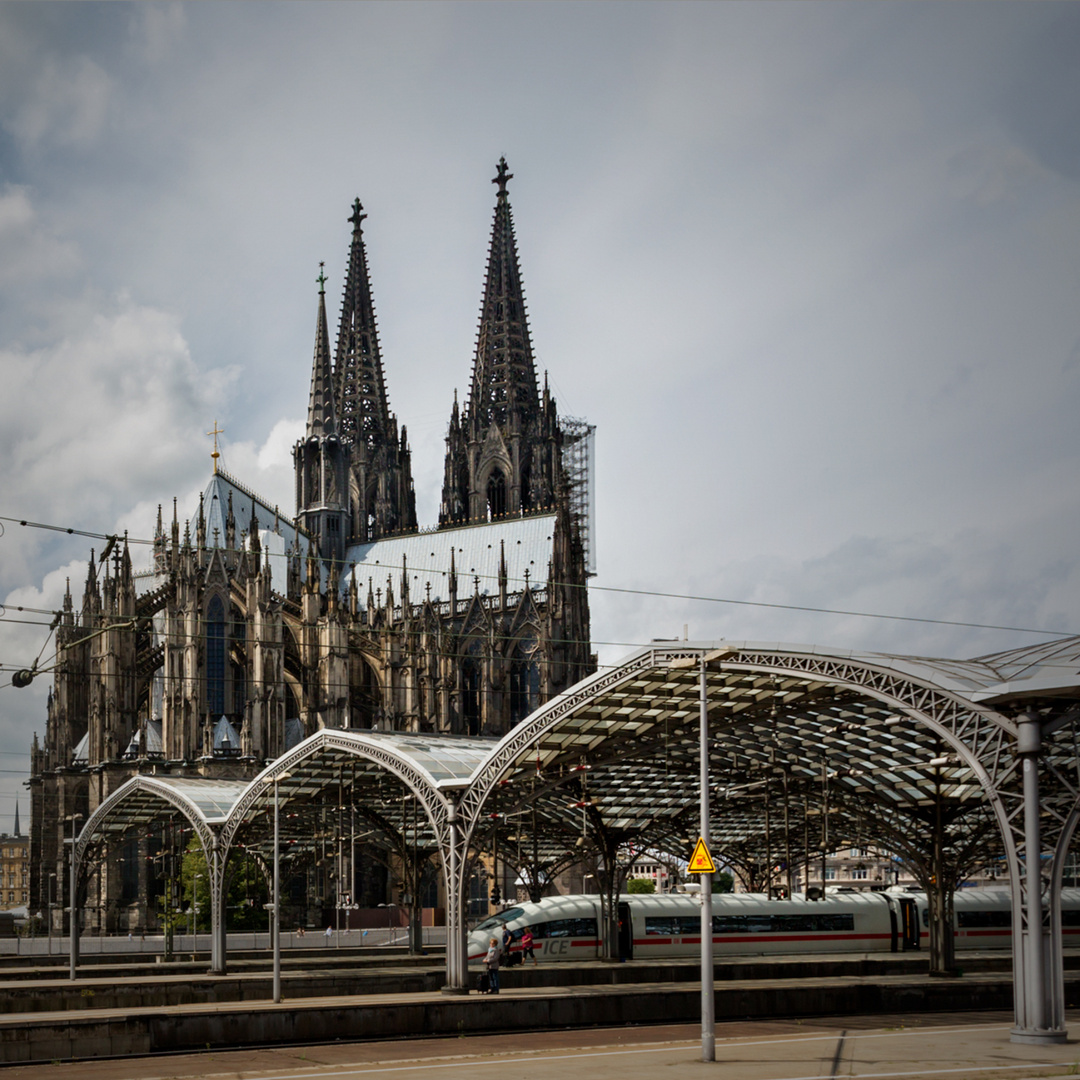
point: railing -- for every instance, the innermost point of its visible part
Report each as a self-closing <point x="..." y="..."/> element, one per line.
<point x="154" y="944"/>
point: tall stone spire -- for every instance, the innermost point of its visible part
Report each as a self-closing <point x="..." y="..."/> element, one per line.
<point x="358" y="370"/>
<point x="320" y="458"/>
<point x="321" y="418"/>
<point x="504" y="375"/>
<point x="381" y="497"/>
<point x="503" y="457"/>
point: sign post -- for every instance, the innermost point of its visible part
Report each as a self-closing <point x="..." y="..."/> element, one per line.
<point x="708" y="1015"/>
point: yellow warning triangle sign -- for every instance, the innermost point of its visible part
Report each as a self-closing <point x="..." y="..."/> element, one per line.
<point x="701" y="861"/>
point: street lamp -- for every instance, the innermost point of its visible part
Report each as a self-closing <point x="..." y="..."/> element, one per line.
<point x="391" y="930"/>
<point x="275" y="904"/>
<point x="73" y="925"/>
<point x="52" y="878"/>
<point x="195" y="913"/>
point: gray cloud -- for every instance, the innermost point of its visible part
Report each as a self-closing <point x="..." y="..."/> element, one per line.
<point x="810" y="268"/>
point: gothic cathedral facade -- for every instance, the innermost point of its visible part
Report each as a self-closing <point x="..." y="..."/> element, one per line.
<point x="252" y="630"/>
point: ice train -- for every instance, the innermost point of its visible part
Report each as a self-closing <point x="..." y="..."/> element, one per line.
<point x="750" y="924"/>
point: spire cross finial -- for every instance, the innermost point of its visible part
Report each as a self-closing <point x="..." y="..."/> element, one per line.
<point x="358" y="214"/>
<point x="504" y="176"/>
<point x="321" y="279"/>
<point x="216" y="432"/>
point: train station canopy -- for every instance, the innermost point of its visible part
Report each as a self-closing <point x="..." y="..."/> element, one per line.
<point x="794" y="730"/>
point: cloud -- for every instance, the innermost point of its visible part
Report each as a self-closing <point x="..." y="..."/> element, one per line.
<point x="65" y="102"/>
<point x="32" y="252"/>
<point x="90" y="423"/>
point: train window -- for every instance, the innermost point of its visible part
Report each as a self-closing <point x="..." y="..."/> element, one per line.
<point x="980" y="920"/>
<point x="672" y="925"/>
<point x="783" y="924"/>
<point x="1070" y="918"/>
<point x="666" y="926"/>
<point x="566" y="928"/>
<point x="503" y="917"/>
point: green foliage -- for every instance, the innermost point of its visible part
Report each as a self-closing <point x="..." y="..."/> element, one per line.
<point x="723" y="881"/>
<point x="640" y="885"/>
<point x="245" y="905"/>
<point x="248" y="893"/>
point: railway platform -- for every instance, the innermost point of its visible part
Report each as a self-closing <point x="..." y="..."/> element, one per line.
<point x="952" y="1046"/>
<point x="31" y="989"/>
<point x="93" y="1031"/>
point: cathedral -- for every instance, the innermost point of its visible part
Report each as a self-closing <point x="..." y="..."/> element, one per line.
<point x="253" y="629"/>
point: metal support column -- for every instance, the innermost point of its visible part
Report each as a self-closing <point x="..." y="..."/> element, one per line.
<point x="708" y="1016"/>
<point x="217" y="912"/>
<point x="457" y="958"/>
<point x="1034" y="994"/>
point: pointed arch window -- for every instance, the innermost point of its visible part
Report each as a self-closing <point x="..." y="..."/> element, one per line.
<point x="215" y="657"/>
<point x="470" y="693"/>
<point x="496" y="495"/>
<point x="524" y="680"/>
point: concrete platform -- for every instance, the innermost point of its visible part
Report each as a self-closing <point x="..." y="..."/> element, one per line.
<point x="952" y="1046"/>
<point x="96" y="1032"/>
<point x="134" y="988"/>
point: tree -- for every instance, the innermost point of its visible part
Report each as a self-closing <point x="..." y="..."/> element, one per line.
<point x="640" y="885"/>
<point x="723" y="881"/>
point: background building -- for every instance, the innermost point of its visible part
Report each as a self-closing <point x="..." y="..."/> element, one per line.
<point x="14" y="868"/>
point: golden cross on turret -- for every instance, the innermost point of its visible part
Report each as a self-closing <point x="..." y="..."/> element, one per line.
<point x="216" y="432"/>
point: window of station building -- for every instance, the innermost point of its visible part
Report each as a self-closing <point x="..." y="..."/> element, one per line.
<point x="859" y="874"/>
<point x="830" y="873"/>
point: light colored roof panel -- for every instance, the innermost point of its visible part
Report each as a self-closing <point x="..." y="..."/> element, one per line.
<point x="213" y="799"/>
<point x="528" y="543"/>
<point x="276" y="530"/>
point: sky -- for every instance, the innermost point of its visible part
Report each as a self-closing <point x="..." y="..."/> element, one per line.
<point x="811" y="269"/>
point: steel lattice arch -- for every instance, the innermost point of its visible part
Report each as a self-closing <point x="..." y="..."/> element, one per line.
<point x="949" y="764"/>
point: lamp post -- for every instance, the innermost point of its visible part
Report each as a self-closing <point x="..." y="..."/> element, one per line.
<point x="73" y="924"/>
<point x="195" y="914"/>
<point x="390" y="929"/>
<point x="52" y="878"/>
<point x="275" y="903"/>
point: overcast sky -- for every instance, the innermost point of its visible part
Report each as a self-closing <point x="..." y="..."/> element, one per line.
<point x="811" y="269"/>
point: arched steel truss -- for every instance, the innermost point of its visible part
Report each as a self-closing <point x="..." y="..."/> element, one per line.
<point x="811" y="703"/>
<point x="132" y="803"/>
<point x="626" y="703"/>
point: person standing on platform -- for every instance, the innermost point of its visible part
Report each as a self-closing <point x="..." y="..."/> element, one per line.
<point x="527" y="945"/>
<point x="491" y="962"/>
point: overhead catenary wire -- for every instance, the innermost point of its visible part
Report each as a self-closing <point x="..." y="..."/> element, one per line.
<point x="615" y="589"/>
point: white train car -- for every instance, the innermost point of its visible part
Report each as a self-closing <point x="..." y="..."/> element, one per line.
<point x="749" y="924"/>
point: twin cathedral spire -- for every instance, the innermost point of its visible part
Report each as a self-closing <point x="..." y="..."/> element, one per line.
<point x="353" y="467"/>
